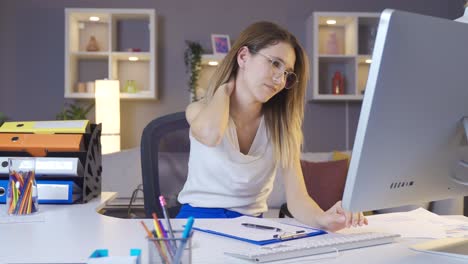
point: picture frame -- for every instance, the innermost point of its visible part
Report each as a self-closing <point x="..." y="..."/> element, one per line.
<point x="221" y="44"/>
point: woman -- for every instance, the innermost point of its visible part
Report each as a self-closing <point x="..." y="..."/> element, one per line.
<point x="247" y="127"/>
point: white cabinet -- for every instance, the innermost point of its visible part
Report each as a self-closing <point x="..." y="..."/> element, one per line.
<point x="126" y="51"/>
<point x="340" y="46"/>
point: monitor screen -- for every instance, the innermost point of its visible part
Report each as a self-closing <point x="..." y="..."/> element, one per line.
<point x="411" y="140"/>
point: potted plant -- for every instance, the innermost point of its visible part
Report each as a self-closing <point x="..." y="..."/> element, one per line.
<point x="192" y="59"/>
<point x="74" y="111"/>
<point x="3" y="118"/>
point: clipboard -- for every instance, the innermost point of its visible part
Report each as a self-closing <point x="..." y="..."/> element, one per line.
<point x="38" y="145"/>
<point x="47" y="127"/>
<point x="233" y="228"/>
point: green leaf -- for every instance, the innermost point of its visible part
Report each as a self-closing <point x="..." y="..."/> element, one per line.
<point x="74" y="112"/>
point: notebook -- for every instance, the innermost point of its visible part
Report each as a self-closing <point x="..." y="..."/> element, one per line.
<point x="255" y="230"/>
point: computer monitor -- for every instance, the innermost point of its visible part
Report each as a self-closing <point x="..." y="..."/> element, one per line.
<point x="411" y="140"/>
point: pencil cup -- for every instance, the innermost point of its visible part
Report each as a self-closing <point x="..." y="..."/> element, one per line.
<point x="22" y="188"/>
<point x="165" y="250"/>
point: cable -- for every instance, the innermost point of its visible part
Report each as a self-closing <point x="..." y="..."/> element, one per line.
<point x="133" y="198"/>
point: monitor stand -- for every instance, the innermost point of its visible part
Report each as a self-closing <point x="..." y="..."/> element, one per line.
<point x="460" y="172"/>
<point x="452" y="247"/>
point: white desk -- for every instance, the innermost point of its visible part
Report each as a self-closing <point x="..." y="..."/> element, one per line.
<point x="70" y="233"/>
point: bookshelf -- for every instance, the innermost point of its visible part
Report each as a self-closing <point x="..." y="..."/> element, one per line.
<point x="340" y="42"/>
<point x="126" y="41"/>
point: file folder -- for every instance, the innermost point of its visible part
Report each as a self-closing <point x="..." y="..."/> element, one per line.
<point x="52" y="166"/>
<point x="39" y="145"/>
<point x="46" y="127"/>
<point x="58" y="192"/>
<point x="3" y="190"/>
<point x="49" y="192"/>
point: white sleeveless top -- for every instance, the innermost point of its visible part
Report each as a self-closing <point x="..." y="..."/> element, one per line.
<point x="223" y="177"/>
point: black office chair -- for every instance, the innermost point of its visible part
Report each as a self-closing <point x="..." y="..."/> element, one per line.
<point x="165" y="148"/>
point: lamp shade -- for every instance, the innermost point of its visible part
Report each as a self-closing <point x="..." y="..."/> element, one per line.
<point x="107" y="94"/>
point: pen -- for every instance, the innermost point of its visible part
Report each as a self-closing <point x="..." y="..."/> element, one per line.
<point x="150" y="235"/>
<point x="167" y="240"/>
<point x="261" y="226"/>
<point x="185" y="235"/>
<point x="290" y="236"/>
<point x="160" y="235"/>
<point x="168" y="221"/>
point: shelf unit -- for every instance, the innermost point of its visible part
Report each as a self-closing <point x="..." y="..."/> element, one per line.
<point x="209" y="63"/>
<point x="340" y="42"/>
<point x="127" y="50"/>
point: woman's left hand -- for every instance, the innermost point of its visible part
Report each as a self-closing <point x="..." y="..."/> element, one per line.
<point x="337" y="218"/>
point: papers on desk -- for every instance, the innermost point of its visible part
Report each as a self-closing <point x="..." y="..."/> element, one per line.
<point x="233" y="228"/>
<point x="418" y="223"/>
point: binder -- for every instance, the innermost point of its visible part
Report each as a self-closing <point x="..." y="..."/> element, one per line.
<point x="57" y="192"/>
<point x="3" y="190"/>
<point x="49" y="192"/>
<point x="47" y="127"/>
<point x="39" y="145"/>
<point x="53" y="166"/>
<point x="89" y="154"/>
<point x="234" y="228"/>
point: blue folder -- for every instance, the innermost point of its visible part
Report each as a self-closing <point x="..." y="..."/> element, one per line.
<point x="3" y="190"/>
<point x="56" y="192"/>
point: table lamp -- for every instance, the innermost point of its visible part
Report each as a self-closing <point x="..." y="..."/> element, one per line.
<point x="107" y="94"/>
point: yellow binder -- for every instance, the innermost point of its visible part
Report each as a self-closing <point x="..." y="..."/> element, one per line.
<point x="46" y="127"/>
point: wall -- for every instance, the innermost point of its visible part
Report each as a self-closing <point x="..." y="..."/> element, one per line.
<point x="32" y="55"/>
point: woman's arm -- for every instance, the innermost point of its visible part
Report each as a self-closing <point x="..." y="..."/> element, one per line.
<point x="208" y="121"/>
<point x="307" y="211"/>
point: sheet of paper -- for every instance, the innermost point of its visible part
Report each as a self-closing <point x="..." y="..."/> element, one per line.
<point x="418" y="223"/>
<point x="234" y="227"/>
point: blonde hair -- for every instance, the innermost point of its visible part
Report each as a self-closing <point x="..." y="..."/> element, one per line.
<point x="284" y="112"/>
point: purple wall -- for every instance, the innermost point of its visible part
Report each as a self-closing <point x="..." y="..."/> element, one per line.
<point x="32" y="54"/>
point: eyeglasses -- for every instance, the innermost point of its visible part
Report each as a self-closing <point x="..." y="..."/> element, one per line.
<point x="279" y="69"/>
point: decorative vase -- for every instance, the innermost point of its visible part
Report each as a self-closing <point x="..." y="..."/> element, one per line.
<point x="130" y="86"/>
<point x="90" y="87"/>
<point x="81" y="87"/>
<point x="92" y="44"/>
<point x="338" y="83"/>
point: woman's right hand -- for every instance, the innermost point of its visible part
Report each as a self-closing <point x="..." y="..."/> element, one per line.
<point x="337" y="218"/>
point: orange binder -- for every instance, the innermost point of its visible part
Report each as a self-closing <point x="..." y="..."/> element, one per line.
<point x="38" y="145"/>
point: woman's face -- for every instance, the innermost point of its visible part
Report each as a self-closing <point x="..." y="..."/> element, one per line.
<point x="264" y="74"/>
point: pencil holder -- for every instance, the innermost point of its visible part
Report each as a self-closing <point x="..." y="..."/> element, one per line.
<point x="22" y="188"/>
<point x="166" y="250"/>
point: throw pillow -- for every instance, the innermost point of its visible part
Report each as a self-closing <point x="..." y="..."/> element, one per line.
<point x="325" y="181"/>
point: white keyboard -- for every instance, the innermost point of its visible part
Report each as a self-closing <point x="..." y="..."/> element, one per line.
<point x="312" y="246"/>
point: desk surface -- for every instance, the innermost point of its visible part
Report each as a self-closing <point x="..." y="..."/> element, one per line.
<point x="70" y="233"/>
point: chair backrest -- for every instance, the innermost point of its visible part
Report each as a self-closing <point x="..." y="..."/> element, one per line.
<point x="165" y="147"/>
